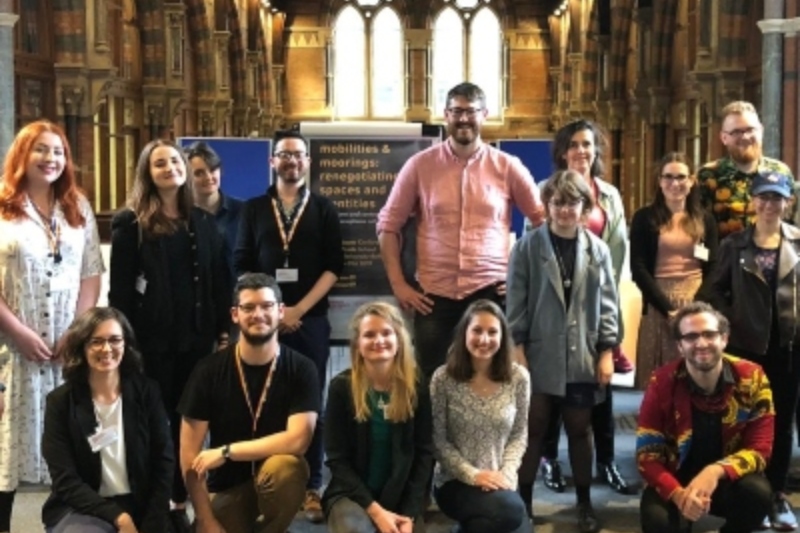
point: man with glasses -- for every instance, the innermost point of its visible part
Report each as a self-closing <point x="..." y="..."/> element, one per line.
<point x="462" y="192"/>
<point x="725" y="183"/>
<point x="705" y="432"/>
<point x="258" y="402"/>
<point x="294" y="234"/>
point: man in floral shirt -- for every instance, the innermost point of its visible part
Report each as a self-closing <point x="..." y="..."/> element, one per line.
<point x="725" y="183"/>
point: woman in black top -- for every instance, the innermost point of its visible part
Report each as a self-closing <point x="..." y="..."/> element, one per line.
<point x="168" y="276"/>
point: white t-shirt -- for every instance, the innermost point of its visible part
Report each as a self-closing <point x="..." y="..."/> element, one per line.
<point x="114" y="472"/>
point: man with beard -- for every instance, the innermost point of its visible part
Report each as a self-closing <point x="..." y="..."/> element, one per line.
<point x="293" y="234"/>
<point x="258" y="401"/>
<point x="705" y="432"/>
<point x="725" y="183"/>
<point x="462" y="192"/>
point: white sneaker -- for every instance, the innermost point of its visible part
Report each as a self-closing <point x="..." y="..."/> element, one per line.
<point x="783" y="518"/>
<point x="765" y="524"/>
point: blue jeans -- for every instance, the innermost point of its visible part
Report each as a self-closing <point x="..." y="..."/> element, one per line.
<point x="81" y="523"/>
<point x="477" y="511"/>
<point x="312" y="339"/>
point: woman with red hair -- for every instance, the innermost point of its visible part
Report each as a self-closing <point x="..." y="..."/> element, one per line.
<point x="50" y="268"/>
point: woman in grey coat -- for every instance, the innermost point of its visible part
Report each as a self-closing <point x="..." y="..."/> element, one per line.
<point x="563" y="312"/>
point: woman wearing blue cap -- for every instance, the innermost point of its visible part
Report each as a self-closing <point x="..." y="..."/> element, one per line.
<point x="755" y="285"/>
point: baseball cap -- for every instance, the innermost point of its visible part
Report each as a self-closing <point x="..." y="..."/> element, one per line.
<point x="771" y="182"/>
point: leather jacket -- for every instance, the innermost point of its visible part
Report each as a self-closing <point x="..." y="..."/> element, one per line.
<point x="738" y="289"/>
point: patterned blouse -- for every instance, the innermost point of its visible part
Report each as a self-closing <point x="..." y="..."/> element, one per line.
<point x="473" y="433"/>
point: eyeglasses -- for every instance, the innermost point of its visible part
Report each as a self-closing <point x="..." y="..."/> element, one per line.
<point x="288" y="156"/>
<point x="249" y="309"/>
<point x="677" y="178"/>
<point x="469" y="112"/>
<point x="738" y="133"/>
<point x="98" y="343"/>
<point x="770" y="198"/>
<point x="708" y="335"/>
<point x="569" y="204"/>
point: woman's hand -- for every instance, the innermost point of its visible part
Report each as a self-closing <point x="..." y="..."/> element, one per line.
<point x="491" y="480"/>
<point x="31" y="345"/>
<point x="605" y="368"/>
<point x="208" y="460"/>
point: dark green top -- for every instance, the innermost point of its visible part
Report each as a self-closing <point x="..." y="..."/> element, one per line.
<point x="380" y="434"/>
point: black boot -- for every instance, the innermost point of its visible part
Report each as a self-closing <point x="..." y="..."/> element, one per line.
<point x="611" y="476"/>
<point x="553" y="477"/>
<point x="587" y="520"/>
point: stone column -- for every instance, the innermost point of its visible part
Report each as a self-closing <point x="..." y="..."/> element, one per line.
<point x="7" y="111"/>
<point x="772" y="75"/>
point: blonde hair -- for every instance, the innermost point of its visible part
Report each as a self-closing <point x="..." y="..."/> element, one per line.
<point x="739" y="107"/>
<point x="403" y="398"/>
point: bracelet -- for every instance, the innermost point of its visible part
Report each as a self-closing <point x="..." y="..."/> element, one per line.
<point x="2" y="388"/>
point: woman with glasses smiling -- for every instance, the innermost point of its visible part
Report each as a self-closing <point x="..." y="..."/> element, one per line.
<point x="106" y="436"/>
<point x="563" y="312"/>
<point x="755" y="285"/>
<point x="673" y="248"/>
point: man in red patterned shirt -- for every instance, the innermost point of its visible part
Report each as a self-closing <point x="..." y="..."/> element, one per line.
<point x="705" y="432"/>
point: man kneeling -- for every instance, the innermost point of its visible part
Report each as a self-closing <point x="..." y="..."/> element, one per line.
<point x="259" y="401"/>
<point x="705" y="432"/>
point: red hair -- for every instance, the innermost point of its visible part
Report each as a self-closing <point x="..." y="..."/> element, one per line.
<point x="14" y="181"/>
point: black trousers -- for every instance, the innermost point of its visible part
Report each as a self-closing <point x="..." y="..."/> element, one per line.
<point x="742" y="503"/>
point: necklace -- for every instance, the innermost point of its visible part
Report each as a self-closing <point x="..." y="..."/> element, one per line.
<point x="566" y="276"/>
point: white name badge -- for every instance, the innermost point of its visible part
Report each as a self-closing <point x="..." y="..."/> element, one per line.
<point x="103" y="438"/>
<point x="700" y="252"/>
<point x="141" y="284"/>
<point x="287" y="275"/>
<point x="60" y="283"/>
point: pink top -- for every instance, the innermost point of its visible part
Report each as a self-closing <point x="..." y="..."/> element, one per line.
<point x="675" y="257"/>
<point x="596" y="222"/>
<point x="464" y="215"/>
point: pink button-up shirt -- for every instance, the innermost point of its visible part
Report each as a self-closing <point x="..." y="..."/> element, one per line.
<point x="464" y="215"/>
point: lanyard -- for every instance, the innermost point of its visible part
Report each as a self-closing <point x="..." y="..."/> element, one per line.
<point x="53" y="232"/>
<point x="286" y="236"/>
<point x="255" y="414"/>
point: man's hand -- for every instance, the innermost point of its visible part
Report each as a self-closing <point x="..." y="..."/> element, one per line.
<point x="605" y="368"/>
<point x="491" y="480"/>
<point x="291" y="319"/>
<point x="209" y="525"/>
<point x="2" y="403"/>
<point x="208" y="460"/>
<point x="519" y="355"/>
<point x="408" y="298"/>
<point x="702" y="487"/>
<point x="500" y="289"/>
<point x="124" y="524"/>
<point x="388" y="522"/>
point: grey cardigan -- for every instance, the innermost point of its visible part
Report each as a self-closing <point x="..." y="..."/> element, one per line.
<point x="561" y="345"/>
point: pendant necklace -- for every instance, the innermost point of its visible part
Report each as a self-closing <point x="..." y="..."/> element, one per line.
<point x="566" y="279"/>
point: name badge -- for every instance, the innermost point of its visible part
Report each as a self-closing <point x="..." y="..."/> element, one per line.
<point x="287" y="275"/>
<point x="60" y="283"/>
<point x="103" y="438"/>
<point x="700" y="252"/>
<point x="141" y="284"/>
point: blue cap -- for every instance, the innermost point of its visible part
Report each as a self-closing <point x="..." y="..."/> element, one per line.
<point x="776" y="182"/>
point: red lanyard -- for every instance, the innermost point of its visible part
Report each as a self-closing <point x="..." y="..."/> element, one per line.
<point x="255" y="414"/>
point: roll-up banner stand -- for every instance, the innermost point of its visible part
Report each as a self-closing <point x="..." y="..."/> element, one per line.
<point x="355" y="165"/>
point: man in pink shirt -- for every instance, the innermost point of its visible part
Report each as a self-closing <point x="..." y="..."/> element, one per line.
<point x="461" y="192"/>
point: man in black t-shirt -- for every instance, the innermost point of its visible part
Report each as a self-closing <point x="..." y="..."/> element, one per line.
<point x="259" y="402"/>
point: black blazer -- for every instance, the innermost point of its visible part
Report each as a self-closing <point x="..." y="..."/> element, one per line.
<point x="75" y="469"/>
<point x="644" y="249"/>
<point x="151" y="314"/>
<point x="347" y="449"/>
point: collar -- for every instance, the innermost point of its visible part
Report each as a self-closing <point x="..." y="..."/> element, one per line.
<point x="727" y="163"/>
<point x="477" y="155"/>
<point x="272" y="191"/>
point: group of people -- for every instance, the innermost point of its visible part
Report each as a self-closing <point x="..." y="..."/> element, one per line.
<point x="177" y="393"/>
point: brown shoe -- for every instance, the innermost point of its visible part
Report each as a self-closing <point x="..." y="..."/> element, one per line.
<point x="312" y="507"/>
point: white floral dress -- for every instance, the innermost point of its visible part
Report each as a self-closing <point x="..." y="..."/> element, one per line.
<point x="43" y="294"/>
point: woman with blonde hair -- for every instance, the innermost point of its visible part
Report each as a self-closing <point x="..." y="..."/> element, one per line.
<point x="50" y="268"/>
<point x="380" y="455"/>
<point x="480" y="431"/>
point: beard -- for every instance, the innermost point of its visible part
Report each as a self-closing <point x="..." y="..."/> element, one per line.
<point x="464" y="134"/>
<point x="258" y="339"/>
<point x="745" y="154"/>
<point x="705" y="366"/>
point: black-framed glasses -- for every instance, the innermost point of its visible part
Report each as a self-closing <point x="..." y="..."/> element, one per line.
<point x="708" y="335"/>
<point x="738" y="133"/>
<point x="676" y="178"/>
<point x="469" y="112"/>
<point x="98" y="343"/>
<point x="249" y="309"/>
<point x="285" y="155"/>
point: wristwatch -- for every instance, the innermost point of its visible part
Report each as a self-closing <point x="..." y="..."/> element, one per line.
<point x="2" y="388"/>
<point x="226" y="452"/>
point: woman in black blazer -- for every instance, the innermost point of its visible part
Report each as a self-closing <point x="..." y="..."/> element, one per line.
<point x="168" y="276"/>
<point x="381" y="452"/>
<point x="106" y="437"/>
<point x="673" y="249"/>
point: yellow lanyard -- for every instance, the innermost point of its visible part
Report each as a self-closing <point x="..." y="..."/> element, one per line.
<point x="255" y="414"/>
<point x="286" y="236"/>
